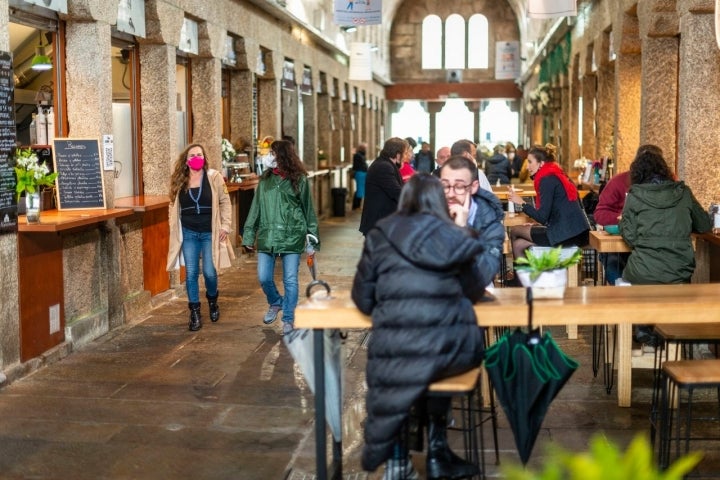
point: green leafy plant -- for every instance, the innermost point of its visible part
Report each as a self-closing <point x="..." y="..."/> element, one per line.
<point x="546" y="261"/>
<point x="30" y="173"/>
<point x="605" y="461"/>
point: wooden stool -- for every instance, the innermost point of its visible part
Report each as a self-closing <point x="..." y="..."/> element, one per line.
<point x="676" y="341"/>
<point x="687" y="375"/>
<point x="473" y="416"/>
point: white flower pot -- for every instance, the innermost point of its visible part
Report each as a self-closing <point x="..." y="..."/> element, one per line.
<point x="549" y="284"/>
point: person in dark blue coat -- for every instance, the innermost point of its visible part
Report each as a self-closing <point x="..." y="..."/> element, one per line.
<point x="562" y="220"/>
<point x="418" y="278"/>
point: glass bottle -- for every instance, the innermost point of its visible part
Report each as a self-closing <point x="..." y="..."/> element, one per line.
<point x="33" y="131"/>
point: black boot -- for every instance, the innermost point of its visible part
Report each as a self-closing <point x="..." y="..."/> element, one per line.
<point x="214" y="309"/>
<point x="356" y="202"/>
<point x="195" y="320"/>
<point x="441" y="461"/>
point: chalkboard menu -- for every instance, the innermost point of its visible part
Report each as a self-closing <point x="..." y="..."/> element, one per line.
<point x="8" y="206"/>
<point x="80" y="173"/>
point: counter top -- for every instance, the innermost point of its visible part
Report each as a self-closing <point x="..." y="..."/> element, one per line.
<point x="143" y="203"/>
<point x="62" y="220"/>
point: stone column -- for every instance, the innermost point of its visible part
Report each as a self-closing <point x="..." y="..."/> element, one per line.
<point x="589" y="90"/>
<point x="628" y="111"/>
<point x="698" y="105"/>
<point x="325" y="133"/>
<point x="159" y="120"/>
<point x="206" y="92"/>
<point x="241" y="109"/>
<point x="476" y="108"/>
<point x="433" y="108"/>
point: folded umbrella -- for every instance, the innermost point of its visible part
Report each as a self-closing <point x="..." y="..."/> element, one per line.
<point x="527" y="371"/>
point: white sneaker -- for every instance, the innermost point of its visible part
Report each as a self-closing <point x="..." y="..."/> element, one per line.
<point x="400" y="470"/>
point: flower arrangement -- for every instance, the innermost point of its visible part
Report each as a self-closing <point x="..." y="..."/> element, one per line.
<point x="228" y="151"/>
<point x="31" y="174"/>
<point x="580" y="164"/>
<point x="539" y="100"/>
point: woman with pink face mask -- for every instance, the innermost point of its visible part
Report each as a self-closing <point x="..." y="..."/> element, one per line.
<point x="200" y="217"/>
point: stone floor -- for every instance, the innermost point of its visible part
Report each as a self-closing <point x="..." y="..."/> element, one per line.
<point x="155" y="401"/>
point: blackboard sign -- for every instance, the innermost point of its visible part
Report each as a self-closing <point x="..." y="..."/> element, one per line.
<point x="80" y="173"/>
<point x="8" y="207"/>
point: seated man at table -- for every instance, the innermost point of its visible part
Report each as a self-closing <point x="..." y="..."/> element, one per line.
<point x="484" y="213"/>
<point x="468" y="149"/>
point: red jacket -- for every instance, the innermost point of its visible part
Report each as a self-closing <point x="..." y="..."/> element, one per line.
<point x="612" y="200"/>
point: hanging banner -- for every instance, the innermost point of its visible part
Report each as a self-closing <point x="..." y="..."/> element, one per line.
<point x="358" y="12"/>
<point x="57" y="5"/>
<point x="360" y="61"/>
<point x="131" y="17"/>
<point x="552" y="8"/>
<point x="507" y="60"/>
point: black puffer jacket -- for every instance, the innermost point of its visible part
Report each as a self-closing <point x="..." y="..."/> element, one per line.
<point x="418" y="279"/>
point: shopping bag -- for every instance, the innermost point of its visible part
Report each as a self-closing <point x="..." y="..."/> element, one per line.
<point x="300" y="343"/>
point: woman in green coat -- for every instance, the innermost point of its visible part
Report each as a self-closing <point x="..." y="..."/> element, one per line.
<point x="280" y="217"/>
<point x="658" y="218"/>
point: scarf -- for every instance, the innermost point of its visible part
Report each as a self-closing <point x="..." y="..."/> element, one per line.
<point x="277" y="171"/>
<point x="549" y="169"/>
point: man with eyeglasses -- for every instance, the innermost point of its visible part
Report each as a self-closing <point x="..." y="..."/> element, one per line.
<point x="484" y="213"/>
<point x="468" y="149"/>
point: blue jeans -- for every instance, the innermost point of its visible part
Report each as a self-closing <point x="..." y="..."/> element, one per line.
<point x="194" y="246"/>
<point x="266" y="274"/>
<point x="614" y="264"/>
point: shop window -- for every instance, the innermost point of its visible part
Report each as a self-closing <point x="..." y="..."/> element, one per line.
<point x="125" y="139"/>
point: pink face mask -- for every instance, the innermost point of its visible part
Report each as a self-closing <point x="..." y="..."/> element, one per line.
<point x="195" y="163"/>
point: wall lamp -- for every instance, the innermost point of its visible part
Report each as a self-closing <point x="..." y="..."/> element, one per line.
<point x="41" y="61"/>
<point x="348" y="28"/>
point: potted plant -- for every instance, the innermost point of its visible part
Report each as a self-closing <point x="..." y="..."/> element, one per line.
<point x="545" y="269"/>
<point x="31" y="177"/>
<point x="603" y="461"/>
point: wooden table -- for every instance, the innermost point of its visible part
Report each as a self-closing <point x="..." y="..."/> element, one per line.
<point x="515" y="219"/>
<point x="502" y="192"/>
<point x="687" y="303"/>
<point x="603" y="242"/>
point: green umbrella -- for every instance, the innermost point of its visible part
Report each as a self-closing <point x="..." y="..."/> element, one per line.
<point x="527" y="370"/>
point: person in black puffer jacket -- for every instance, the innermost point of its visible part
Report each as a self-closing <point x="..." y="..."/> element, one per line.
<point x="418" y="278"/>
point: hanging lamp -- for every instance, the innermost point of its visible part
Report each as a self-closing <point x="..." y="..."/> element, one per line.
<point x="41" y="61"/>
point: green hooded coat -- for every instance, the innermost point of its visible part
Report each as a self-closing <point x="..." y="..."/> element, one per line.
<point x="279" y="216"/>
<point x="656" y="223"/>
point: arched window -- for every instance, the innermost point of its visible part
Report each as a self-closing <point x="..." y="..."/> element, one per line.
<point x="478" y="41"/>
<point x="432" y="42"/>
<point x="451" y="40"/>
<point x="455" y="41"/>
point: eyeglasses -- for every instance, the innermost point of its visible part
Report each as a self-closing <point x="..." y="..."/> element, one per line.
<point x="458" y="188"/>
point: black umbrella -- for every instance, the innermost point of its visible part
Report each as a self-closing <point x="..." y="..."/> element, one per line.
<point x="527" y="371"/>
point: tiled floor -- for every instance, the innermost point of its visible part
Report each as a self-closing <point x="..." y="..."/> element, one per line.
<point x="155" y="401"/>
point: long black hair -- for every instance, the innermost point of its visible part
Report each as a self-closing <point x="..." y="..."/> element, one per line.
<point x="423" y="193"/>
<point x="649" y="166"/>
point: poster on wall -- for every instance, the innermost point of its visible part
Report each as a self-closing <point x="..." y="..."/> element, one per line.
<point x="358" y="12"/>
<point x="189" y="36"/>
<point x="8" y="206"/>
<point x="57" y="5"/>
<point x="507" y="60"/>
<point x="131" y="17"/>
<point x="360" y="61"/>
<point x="288" y="77"/>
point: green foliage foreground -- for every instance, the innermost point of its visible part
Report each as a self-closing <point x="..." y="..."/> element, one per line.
<point x="605" y="461"/>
